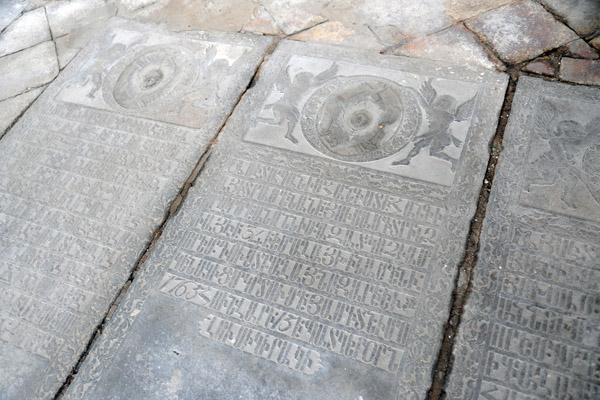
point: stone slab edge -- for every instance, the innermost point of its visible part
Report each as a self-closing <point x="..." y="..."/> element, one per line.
<point x="61" y="367"/>
<point x="462" y="381"/>
<point x="465" y="192"/>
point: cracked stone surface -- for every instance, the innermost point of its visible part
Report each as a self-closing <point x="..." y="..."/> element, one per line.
<point x="583" y="16"/>
<point x="531" y="326"/>
<point x="455" y="45"/>
<point x="42" y="67"/>
<point x="293" y="15"/>
<point x="580" y="71"/>
<point x="26" y="31"/>
<point x="521" y="31"/>
<point x="11" y="109"/>
<point x="464" y="9"/>
<point x="64" y="51"/>
<point x="334" y="32"/>
<point x="596" y="43"/>
<point x="64" y="16"/>
<point x="87" y="176"/>
<point x="306" y="264"/>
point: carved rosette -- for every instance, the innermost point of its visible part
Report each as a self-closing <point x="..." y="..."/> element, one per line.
<point x="360" y="118"/>
<point x="150" y="79"/>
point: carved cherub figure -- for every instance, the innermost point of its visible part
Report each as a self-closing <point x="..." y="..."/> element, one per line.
<point x="441" y="111"/>
<point x="285" y="110"/>
<point x="561" y="162"/>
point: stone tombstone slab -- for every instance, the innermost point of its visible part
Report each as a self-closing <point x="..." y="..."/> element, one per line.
<point x="87" y="175"/>
<point x="531" y="326"/>
<point x="316" y="257"/>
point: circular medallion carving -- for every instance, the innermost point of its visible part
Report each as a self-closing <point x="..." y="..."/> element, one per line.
<point x="150" y="78"/>
<point x="360" y="118"/>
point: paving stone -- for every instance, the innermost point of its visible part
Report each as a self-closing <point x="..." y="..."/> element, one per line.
<point x="27" y="31"/>
<point x="64" y="16"/>
<point x="41" y="64"/>
<point x="580" y="71"/>
<point x="464" y="9"/>
<point x="293" y="15"/>
<point x="596" y="43"/>
<point x="581" y="15"/>
<point x="403" y="21"/>
<point x="530" y="329"/>
<point x="64" y="52"/>
<point x="454" y="45"/>
<point x="334" y="32"/>
<point x="9" y="11"/>
<point x="261" y="22"/>
<point x="315" y="256"/>
<point x="10" y="109"/>
<point x="87" y="175"/>
<point x="521" y="31"/>
<point x="542" y="66"/>
<point x="581" y="49"/>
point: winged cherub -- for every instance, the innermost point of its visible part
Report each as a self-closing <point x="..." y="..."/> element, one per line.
<point x="560" y="163"/>
<point x="441" y="111"/>
<point x="286" y="109"/>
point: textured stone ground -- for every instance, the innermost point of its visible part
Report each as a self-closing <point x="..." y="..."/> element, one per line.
<point x="528" y="332"/>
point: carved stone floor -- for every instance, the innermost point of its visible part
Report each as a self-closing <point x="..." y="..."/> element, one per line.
<point x="299" y="199"/>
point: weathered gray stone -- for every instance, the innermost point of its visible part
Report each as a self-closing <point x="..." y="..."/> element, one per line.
<point x="455" y="45"/>
<point x="334" y="32"/>
<point x="581" y="49"/>
<point x="30" y="29"/>
<point x="531" y="326"/>
<point x="541" y="66"/>
<point x="521" y="31"/>
<point x="464" y="9"/>
<point x="586" y="72"/>
<point x="87" y="175"/>
<point x="293" y="15"/>
<point x="9" y="11"/>
<point x="10" y="109"/>
<point x="64" y="51"/>
<point x="581" y="15"/>
<point x="316" y="254"/>
<point x="66" y="15"/>
<point x="41" y="68"/>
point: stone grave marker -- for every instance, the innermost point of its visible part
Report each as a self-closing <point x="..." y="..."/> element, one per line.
<point x="315" y="257"/>
<point x="531" y="327"/>
<point x="87" y="175"/>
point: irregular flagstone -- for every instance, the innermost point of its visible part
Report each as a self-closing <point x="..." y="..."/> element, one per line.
<point x="10" y="109"/>
<point x="455" y="45"/>
<point x="9" y="11"/>
<point x="576" y="70"/>
<point x="41" y="68"/>
<point x="581" y="15"/>
<point x="27" y="31"/>
<point x="261" y="22"/>
<point x="464" y="9"/>
<point x="542" y="66"/>
<point x="315" y="257"/>
<point x="581" y="49"/>
<point x="65" y="15"/>
<point x="521" y="31"/>
<point x="531" y="325"/>
<point x="87" y="175"/>
<point x="64" y="51"/>
<point x="596" y="43"/>
<point x="293" y="15"/>
<point x="334" y="32"/>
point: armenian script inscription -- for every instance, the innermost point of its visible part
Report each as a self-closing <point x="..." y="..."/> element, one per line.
<point x="87" y="175"/>
<point x="531" y="326"/>
<point x="304" y="265"/>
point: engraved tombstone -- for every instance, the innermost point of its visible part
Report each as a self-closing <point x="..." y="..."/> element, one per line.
<point x="316" y="256"/>
<point x="531" y="326"/>
<point x="87" y="175"/>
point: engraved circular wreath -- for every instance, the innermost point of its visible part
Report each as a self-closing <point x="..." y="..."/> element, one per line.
<point x="360" y="118"/>
<point x="150" y="78"/>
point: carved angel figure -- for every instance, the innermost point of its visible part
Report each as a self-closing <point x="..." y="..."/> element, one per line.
<point x="285" y="110"/>
<point x="441" y="111"/>
<point x="561" y="164"/>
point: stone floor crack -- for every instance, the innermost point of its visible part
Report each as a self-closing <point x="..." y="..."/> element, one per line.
<point x="169" y="214"/>
<point x="462" y="283"/>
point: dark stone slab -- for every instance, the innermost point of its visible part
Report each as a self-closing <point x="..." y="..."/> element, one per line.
<point x="531" y="327"/>
<point x="316" y="256"/>
<point x="87" y="175"/>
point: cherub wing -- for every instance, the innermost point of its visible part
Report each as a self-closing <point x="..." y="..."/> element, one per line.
<point x="465" y="110"/>
<point x="328" y="74"/>
<point x="284" y="81"/>
<point x="546" y="119"/>
<point x="428" y="92"/>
